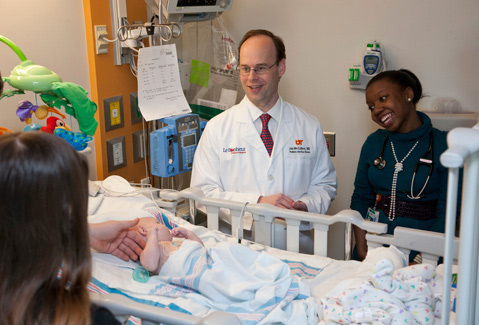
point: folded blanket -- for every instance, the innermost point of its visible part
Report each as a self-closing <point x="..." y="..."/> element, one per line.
<point x="410" y="295"/>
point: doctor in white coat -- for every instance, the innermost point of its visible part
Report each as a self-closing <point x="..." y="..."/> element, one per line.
<point x="232" y="162"/>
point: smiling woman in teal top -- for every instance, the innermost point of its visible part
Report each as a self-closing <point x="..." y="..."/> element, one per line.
<point x="399" y="179"/>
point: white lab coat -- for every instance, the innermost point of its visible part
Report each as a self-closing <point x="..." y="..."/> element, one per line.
<point x="231" y="161"/>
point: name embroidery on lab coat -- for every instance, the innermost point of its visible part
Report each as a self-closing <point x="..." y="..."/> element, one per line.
<point x="234" y="150"/>
<point x="299" y="149"/>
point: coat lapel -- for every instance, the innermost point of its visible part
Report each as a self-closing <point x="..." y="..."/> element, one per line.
<point x="285" y="130"/>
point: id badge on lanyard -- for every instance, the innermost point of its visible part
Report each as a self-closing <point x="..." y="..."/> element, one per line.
<point x="373" y="215"/>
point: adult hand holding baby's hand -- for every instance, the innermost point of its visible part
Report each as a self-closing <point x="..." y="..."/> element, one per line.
<point x="116" y="238"/>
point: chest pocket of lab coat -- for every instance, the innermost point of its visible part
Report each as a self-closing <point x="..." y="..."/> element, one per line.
<point x="298" y="174"/>
<point x="299" y="164"/>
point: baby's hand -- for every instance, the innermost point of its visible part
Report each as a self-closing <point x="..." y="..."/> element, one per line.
<point x="179" y="232"/>
<point x="185" y="233"/>
<point x="152" y="235"/>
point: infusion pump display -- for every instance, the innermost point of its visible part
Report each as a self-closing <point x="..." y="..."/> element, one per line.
<point x="194" y="10"/>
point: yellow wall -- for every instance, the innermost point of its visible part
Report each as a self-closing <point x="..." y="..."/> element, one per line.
<point x="109" y="80"/>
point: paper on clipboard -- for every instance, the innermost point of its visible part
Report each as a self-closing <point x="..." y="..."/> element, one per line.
<point x="159" y="87"/>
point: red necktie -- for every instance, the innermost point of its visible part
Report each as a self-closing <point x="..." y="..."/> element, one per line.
<point x="265" y="135"/>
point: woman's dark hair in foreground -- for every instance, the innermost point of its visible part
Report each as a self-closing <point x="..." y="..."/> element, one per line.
<point x="44" y="243"/>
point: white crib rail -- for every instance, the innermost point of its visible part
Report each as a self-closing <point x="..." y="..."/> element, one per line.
<point x="121" y="307"/>
<point x="264" y="215"/>
<point x="430" y="244"/>
<point x="463" y="150"/>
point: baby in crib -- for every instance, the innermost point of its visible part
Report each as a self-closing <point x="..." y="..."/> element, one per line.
<point x="160" y="243"/>
<point x="225" y="274"/>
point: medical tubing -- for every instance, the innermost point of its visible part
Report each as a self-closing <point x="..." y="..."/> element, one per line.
<point x="14" y="48"/>
<point x="134" y="192"/>
<point x="452" y="188"/>
<point x="123" y="33"/>
<point x="240" y="226"/>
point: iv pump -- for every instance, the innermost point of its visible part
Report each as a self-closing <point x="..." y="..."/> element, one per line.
<point x="174" y="145"/>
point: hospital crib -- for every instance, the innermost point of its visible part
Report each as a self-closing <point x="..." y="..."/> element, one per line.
<point x="431" y="244"/>
<point x="463" y="151"/>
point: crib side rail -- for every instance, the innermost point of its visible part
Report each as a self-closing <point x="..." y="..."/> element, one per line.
<point x="121" y="306"/>
<point x="265" y="214"/>
<point x="429" y="243"/>
<point x="463" y="151"/>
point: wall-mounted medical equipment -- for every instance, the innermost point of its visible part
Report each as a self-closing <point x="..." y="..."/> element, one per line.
<point x="129" y="36"/>
<point x="173" y="146"/>
<point x="373" y="63"/>
<point x="194" y="10"/>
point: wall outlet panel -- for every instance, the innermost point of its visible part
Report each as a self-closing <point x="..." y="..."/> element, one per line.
<point x="135" y="112"/>
<point x="331" y="142"/>
<point x="116" y="153"/>
<point x="113" y="113"/>
<point x="139" y="145"/>
<point x="101" y="44"/>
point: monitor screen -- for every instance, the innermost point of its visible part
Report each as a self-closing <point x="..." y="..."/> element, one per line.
<point x="191" y="3"/>
<point x="189" y="140"/>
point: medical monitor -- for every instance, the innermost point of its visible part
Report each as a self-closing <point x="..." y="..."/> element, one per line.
<point x="194" y="10"/>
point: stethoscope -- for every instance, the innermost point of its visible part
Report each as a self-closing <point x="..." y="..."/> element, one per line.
<point x="380" y="163"/>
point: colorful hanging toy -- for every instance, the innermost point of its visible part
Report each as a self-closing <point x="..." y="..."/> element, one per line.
<point x="54" y="93"/>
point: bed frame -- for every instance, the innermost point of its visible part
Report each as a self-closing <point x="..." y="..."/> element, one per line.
<point x="123" y="308"/>
<point x="463" y="151"/>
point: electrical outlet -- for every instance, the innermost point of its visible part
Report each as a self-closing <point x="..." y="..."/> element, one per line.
<point x="113" y="112"/>
<point x="331" y="142"/>
<point x="101" y="44"/>
<point x="116" y="153"/>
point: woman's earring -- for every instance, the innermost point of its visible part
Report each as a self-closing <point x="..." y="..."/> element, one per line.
<point x="409" y="99"/>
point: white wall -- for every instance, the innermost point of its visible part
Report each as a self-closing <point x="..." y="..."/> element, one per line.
<point x="436" y="39"/>
<point x="49" y="33"/>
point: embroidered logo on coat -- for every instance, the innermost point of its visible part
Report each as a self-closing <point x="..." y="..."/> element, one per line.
<point x="298" y="148"/>
<point x="234" y="150"/>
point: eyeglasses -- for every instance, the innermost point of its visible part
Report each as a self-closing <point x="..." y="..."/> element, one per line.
<point x="260" y="69"/>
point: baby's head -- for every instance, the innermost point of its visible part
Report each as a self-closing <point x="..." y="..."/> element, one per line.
<point x="148" y="223"/>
